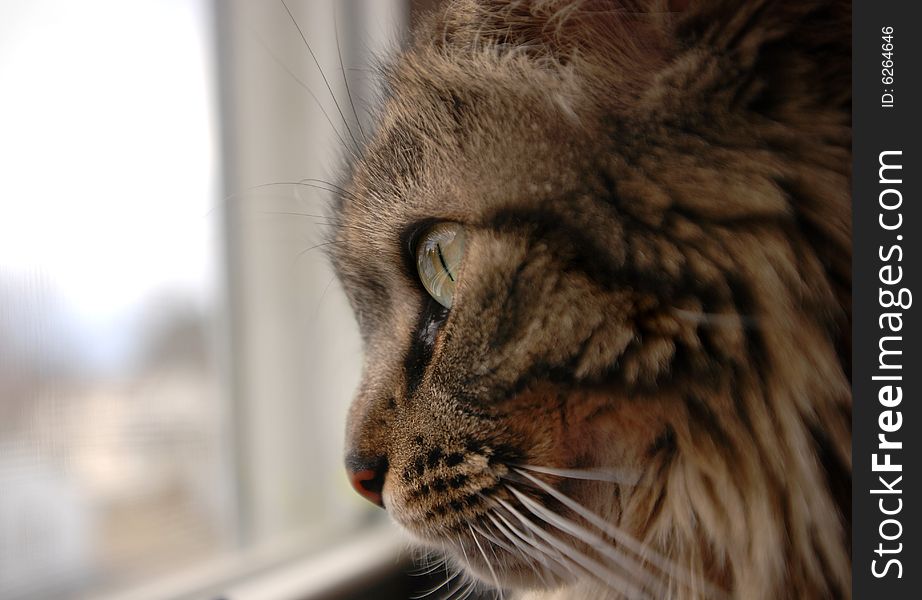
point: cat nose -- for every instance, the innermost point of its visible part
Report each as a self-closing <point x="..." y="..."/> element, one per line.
<point x="367" y="478"/>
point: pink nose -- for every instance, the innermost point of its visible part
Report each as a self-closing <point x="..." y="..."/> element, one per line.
<point x="368" y="483"/>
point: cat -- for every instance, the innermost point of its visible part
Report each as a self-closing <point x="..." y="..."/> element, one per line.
<point x="600" y="255"/>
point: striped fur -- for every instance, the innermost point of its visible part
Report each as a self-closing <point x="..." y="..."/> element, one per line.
<point x="657" y="281"/>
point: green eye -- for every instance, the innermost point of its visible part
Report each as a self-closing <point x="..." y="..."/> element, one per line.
<point x="438" y="260"/>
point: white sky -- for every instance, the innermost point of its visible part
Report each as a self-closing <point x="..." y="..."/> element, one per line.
<point x="108" y="157"/>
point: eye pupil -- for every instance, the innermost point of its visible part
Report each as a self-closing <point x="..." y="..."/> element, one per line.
<point x="442" y="260"/>
<point x="439" y="253"/>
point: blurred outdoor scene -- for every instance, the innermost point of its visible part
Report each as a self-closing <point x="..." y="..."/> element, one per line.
<point x="176" y="357"/>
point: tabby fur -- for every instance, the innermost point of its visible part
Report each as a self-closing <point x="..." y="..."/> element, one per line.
<point x="657" y="280"/>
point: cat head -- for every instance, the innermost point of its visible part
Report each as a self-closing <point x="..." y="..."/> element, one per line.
<point x="599" y="255"/>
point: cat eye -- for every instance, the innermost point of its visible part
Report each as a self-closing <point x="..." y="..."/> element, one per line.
<point x="439" y="252"/>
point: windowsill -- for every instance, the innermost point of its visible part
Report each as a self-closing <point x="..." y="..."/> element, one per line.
<point x="292" y="570"/>
<point x="349" y="565"/>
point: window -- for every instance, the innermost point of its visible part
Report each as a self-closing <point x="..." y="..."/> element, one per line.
<point x="175" y="356"/>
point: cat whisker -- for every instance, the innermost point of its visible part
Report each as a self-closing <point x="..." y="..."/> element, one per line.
<point x="643" y="551"/>
<point x="433" y="590"/>
<point x="323" y="222"/>
<point x="534" y="562"/>
<point x="486" y="560"/>
<point x="427" y="570"/>
<point x="466" y="591"/>
<point x="538" y="564"/>
<point x="573" y="529"/>
<point x="342" y="68"/>
<point x="293" y="213"/>
<point x="322" y="74"/>
<point x="588" y="564"/>
<point x="623" y="477"/>
<point x="314" y="247"/>
<point x="301" y="183"/>
<point x="338" y="190"/>
<point x="430" y="566"/>
<point x="493" y="539"/>
<point x="278" y="61"/>
<point x="526" y="544"/>
<point x="313" y="180"/>
<point x="473" y="582"/>
<point x="499" y="593"/>
<point x="319" y="219"/>
<point x="511" y="550"/>
<point x="309" y="182"/>
<point x="548" y="556"/>
<point x="463" y="551"/>
<point x="550" y="560"/>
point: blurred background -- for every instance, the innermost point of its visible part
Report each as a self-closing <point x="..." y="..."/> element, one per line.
<point x="176" y="357"/>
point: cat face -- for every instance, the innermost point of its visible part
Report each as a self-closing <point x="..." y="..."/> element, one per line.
<point x="638" y="345"/>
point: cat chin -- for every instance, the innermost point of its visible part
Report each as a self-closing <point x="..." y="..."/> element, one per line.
<point x="504" y="574"/>
<point x="510" y="573"/>
<point x="518" y="576"/>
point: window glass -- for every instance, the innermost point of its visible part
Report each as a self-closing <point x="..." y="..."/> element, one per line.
<point x="176" y="357"/>
<point x="113" y="462"/>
